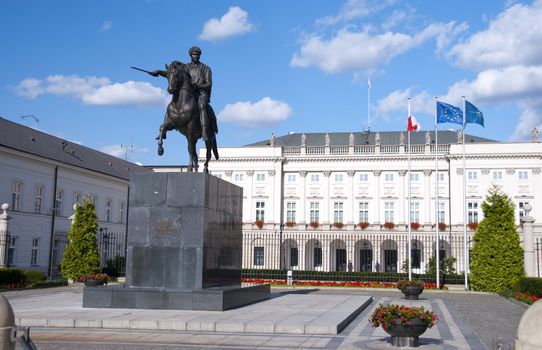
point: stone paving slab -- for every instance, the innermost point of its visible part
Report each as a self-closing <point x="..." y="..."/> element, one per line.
<point x="283" y="314"/>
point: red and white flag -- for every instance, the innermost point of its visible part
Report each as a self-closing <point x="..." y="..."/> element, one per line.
<point x="413" y="124"/>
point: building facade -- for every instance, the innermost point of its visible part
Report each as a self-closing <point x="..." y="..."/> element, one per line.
<point x="42" y="178"/>
<point x="340" y="201"/>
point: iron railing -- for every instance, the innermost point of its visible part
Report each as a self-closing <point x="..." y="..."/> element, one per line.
<point x="332" y="255"/>
<point x="112" y="249"/>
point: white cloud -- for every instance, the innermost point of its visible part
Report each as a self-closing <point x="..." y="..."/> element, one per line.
<point x="262" y="113"/>
<point x="353" y="9"/>
<point x="511" y="39"/>
<point x="106" y="25"/>
<point x="94" y="90"/>
<point x="360" y="50"/>
<point x="397" y="103"/>
<point x="125" y="94"/>
<point x="234" y="22"/>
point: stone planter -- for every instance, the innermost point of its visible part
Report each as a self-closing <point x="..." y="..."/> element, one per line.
<point x="94" y="283"/>
<point x="412" y="292"/>
<point x="406" y="335"/>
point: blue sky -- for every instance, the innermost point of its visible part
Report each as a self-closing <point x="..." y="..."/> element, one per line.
<point x="278" y="66"/>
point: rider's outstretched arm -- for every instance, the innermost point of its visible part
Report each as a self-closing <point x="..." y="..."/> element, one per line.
<point x="156" y="73"/>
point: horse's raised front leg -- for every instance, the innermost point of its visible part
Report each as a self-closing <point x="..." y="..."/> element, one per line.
<point x="161" y="137"/>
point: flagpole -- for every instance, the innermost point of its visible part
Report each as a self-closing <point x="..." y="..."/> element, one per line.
<point x="437" y="245"/>
<point x="409" y="205"/>
<point x="465" y="243"/>
<point x="369" y="102"/>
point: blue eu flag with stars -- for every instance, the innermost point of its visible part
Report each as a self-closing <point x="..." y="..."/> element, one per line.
<point x="447" y="113"/>
<point x="473" y="114"/>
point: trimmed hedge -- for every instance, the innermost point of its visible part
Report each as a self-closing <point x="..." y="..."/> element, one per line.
<point x="10" y="276"/>
<point x="531" y="285"/>
<point x="34" y="276"/>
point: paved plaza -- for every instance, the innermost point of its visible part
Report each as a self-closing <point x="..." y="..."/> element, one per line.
<point x="291" y="319"/>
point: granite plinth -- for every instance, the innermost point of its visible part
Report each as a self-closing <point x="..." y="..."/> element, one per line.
<point x="207" y="299"/>
<point x="184" y="246"/>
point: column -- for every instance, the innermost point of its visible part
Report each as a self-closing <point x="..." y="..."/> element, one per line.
<point x="402" y="198"/>
<point x="326" y="203"/>
<point x="376" y="191"/>
<point x="350" y="209"/>
<point x="427" y="197"/>
<point x="4" y="244"/>
<point x="303" y="202"/>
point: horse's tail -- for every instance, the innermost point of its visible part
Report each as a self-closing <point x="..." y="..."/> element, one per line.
<point x="212" y="118"/>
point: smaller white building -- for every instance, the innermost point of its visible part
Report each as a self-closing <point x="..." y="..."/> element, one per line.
<point x="42" y="177"/>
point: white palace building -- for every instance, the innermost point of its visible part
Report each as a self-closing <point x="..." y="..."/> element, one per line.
<point x="339" y="201"/>
<point x="318" y="201"/>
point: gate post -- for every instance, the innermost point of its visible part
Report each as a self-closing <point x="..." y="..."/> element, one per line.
<point x="528" y="241"/>
<point x="7" y="323"/>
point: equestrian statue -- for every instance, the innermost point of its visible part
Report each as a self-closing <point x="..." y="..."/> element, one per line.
<point x="189" y="111"/>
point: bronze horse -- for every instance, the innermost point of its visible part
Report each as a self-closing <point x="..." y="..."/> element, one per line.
<point x="182" y="115"/>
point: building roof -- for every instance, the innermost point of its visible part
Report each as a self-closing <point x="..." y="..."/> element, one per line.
<point x="368" y="138"/>
<point x="24" y="139"/>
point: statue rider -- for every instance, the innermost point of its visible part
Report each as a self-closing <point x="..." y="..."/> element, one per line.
<point x="202" y="83"/>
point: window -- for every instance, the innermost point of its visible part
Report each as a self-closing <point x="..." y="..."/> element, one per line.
<point x="339" y="177"/>
<point x="294" y="256"/>
<point x="58" y="202"/>
<point x="260" y="211"/>
<point x="440" y="177"/>
<point x="290" y="211"/>
<point x="472" y="212"/>
<point x="364" y="177"/>
<point x="122" y="209"/>
<point x="260" y="176"/>
<point x="290" y="177"/>
<point x="415" y="212"/>
<point x="441" y="212"/>
<point x="472" y="175"/>
<point x="315" y="177"/>
<point x="238" y="177"/>
<point x="521" y="209"/>
<point x="16" y="195"/>
<point x="416" y="256"/>
<point x="34" y="251"/>
<point x="108" y="209"/>
<point x="56" y="246"/>
<point x="414" y="177"/>
<point x="388" y="177"/>
<point x="77" y="198"/>
<point x="314" y="212"/>
<point x="317" y="252"/>
<point x="258" y="256"/>
<point x="12" y="250"/>
<point x="523" y="175"/>
<point x="497" y="175"/>
<point x="338" y="211"/>
<point x="38" y="198"/>
<point x="389" y="212"/>
<point x="363" y="212"/>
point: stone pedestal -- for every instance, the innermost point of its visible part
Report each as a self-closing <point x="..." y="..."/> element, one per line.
<point x="184" y="246"/>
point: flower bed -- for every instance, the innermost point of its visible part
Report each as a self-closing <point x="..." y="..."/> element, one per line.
<point x="526" y="298"/>
<point x="353" y="284"/>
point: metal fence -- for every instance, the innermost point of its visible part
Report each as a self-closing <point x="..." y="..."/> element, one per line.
<point x="112" y="248"/>
<point x="338" y="254"/>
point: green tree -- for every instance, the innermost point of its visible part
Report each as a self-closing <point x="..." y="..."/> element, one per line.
<point x="446" y="266"/>
<point x="497" y="256"/>
<point x="81" y="256"/>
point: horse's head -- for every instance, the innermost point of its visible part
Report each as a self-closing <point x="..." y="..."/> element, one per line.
<point x="175" y="76"/>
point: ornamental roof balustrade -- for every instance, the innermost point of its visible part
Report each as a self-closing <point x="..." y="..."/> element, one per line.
<point x="363" y="150"/>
